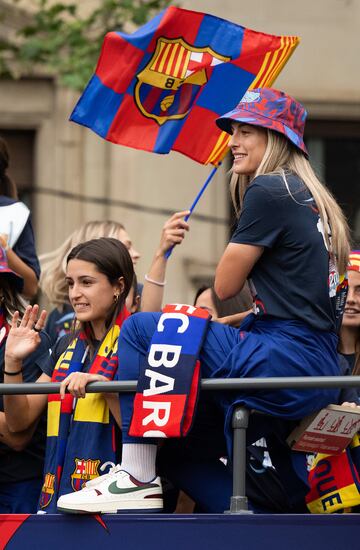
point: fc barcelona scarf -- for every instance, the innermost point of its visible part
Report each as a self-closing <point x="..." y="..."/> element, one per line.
<point x="334" y="481"/>
<point x="80" y="433"/>
<point x="169" y="377"/>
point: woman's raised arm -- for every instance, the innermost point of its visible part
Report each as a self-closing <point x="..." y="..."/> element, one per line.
<point x="21" y="411"/>
<point x="173" y="233"/>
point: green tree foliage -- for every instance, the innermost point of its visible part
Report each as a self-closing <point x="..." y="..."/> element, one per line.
<point x="66" y="43"/>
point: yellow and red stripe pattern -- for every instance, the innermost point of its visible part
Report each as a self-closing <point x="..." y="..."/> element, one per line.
<point x="87" y="468"/>
<point x="334" y="481"/>
<point x="274" y="62"/>
<point x="172" y="59"/>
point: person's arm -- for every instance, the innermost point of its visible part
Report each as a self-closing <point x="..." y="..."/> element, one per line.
<point x="20" y="267"/>
<point x="234" y="267"/>
<point x="16" y="441"/>
<point x="173" y="233"/>
<point x="260" y="226"/>
<point x="21" y="411"/>
<point x="76" y="383"/>
<point x="233" y="320"/>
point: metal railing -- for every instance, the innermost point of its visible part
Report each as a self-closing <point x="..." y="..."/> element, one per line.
<point x="246" y="384"/>
<point x="238" y="502"/>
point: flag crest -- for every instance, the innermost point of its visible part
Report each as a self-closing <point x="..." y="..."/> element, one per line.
<point x="162" y="87"/>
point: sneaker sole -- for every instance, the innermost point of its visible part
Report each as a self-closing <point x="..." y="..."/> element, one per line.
<point x="113" y="508"/>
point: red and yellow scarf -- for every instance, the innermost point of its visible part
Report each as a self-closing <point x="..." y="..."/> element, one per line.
<point x="80" y="433"/>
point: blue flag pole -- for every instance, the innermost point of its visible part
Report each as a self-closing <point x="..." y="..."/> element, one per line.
<point x="197" y="198"/>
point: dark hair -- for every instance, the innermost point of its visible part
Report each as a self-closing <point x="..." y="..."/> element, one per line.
<point x="11" y="300"/>
<point x="242" y="301"/>
<point x="7" y="186"/>
<point x="111" y="257"/>
<point x="134" y="287"/>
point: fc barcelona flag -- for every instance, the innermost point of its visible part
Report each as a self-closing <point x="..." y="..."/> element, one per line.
<point x="162" y="87"/>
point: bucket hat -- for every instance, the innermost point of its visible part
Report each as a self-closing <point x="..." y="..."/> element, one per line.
<point x="271" y="109"/>
<point x="354" y="261"/>
<point x="5" y="270"/>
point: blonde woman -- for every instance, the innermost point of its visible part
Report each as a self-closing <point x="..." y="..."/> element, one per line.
<point x="291" y="242"/>
<point x="53" y="265"/>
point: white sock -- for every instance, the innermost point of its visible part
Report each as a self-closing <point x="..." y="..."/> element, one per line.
<point x="138" y="460"/>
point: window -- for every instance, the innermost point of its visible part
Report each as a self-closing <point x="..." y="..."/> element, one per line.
<point x="21" y="168"/>
<point x="334" y="148"/>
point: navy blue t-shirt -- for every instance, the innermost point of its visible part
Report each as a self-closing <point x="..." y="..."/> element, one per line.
<point x="295" y="277"/>
<point x="59" y="323"/>
<point x="25" y="245"/>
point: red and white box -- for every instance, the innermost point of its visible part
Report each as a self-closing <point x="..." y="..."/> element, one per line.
<point x="329" y="431"/>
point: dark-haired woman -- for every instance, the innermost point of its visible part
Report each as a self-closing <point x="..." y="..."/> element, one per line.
<point x="80" y="432"/>
<point x="16" y="233"/>
<point x="21" y="454"/>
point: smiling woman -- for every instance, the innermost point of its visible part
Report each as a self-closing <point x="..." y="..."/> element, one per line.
<point x="53" y="266"/>
<point x="349" y="342"/>
<point x="86" y="284"/>
<point x="248" y="145"/>
<point x="99" y="275"/>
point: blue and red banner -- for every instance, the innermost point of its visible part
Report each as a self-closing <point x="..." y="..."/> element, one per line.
<point x="162" y="87"/>
<point x="193" y="531"/>
<point x="168" y="383"/>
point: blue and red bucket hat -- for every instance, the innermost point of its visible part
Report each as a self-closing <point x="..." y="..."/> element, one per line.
<point x="271" y="109"/>
<point x="14" y="278"/>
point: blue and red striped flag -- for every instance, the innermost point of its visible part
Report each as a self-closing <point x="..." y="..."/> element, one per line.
<point x="162" y="87"/>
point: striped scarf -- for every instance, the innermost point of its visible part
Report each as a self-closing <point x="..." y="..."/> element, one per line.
<point x="80" y="433"/>
<point x="335" y="481"/>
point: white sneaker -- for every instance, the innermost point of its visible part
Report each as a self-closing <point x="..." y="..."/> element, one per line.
<point x="113" y="492"/>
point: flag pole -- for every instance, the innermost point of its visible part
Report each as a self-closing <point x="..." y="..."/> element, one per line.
<point x="197" y="198"/>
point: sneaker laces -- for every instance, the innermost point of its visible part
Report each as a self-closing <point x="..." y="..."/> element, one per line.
<point x="114" y="468"/>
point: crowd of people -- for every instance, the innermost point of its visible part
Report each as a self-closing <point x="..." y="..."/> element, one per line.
<point x="281" y="304"/>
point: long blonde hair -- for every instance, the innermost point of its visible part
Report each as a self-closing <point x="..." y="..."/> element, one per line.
<point x="282" y="157"/>
<point x="53" y="264"/>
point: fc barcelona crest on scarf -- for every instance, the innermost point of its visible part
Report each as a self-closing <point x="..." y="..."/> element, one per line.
<point x="47" y="491"/>
<point x="168" y="85"/>
<point x="84" y="471"/>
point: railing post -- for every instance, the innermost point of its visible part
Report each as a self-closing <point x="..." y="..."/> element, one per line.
<point x="238" y="501"/>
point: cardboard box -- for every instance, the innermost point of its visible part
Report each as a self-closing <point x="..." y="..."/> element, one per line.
<point x="329" y="431"/>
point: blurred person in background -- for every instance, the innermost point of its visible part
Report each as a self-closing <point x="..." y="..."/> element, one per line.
<point x="16" y="232"/>
<point x="21" y="454"/>
<point x="349" y="341"/>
